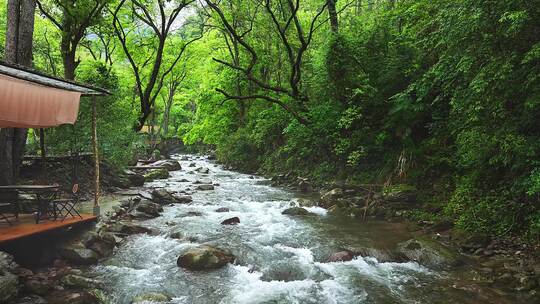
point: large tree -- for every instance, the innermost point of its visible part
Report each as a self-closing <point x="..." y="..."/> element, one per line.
<point x="72" y="18"/>
<point x="145" y="30"/>
<point x="18" y="50"/>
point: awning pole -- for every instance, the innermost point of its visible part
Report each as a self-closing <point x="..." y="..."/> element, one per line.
<point x="96" y="157"/>
<point x="43" y="153"/>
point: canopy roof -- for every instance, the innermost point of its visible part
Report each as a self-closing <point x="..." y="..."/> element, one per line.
<point x="29" y="99"/>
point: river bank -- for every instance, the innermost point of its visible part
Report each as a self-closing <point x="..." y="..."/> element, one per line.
<point x="283" y="246"/>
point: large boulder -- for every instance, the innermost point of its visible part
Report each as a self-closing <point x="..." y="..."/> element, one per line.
<point x="297" y="211"/>
<point x="169" y="164"/>
<point x="205" y="258"/>
<point x="79" y="255"/>
<point x="149" y="208"/>
<point x="135" y="179"/>
<point x="164" y="197"/>
<point x="430" y="253"/>
<point x="151" y="298"/>
<point x="156" y="174"/>
<point x="341" y="256"/>
<point x="9" y="281"/>
<point x="103" y="244"/>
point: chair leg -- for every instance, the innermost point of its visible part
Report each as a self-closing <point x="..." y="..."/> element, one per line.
<point x="5" y="218"/>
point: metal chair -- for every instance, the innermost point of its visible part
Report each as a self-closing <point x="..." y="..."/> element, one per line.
<point x="6" y="215"/>
<point x="64" y="207"/>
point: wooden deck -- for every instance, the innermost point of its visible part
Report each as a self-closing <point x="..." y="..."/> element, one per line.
<point x="26" y="227"/>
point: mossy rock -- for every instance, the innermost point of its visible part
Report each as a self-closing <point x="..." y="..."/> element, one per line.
<point x="297" y="211"/>
<point x="431" y="253"/>
<point x="399" y="193"/>
<point x="151" y="298"/>
<point x="156" y="174"/>
<point x="205" y="258"/>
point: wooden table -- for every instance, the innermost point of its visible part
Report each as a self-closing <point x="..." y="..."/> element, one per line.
<point x="45" y="194"/>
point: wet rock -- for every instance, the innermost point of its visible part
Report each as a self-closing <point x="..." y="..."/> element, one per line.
<point x="192" y="165"/>
<point x="79" y="282"/>
<point x="430" y="253"/>
<point x="222" y="209"/>
<point x="330" y="198"/>
<point x="205" y="258"/>
<point x="151" y="298"/>
<point x="72" y="297"/>
<point x="79" y="255"/>
<point x="342" y="256"/>
<point x="38" y="286"/>
<point x="399" y="193"/>
<point x="194" y="213"/>
<point x="203" y="181"/>
<point x="135" y="179"/>
<point x="205" y="187"/>
<point x="169" y="164"/>
<point x="304" y="185"/>
<point x="176" y="235"/>
<point x="32" y="299"/>
<point x="297" y="211"/>
<point x="203" y="170"/>
<point x="128" y="228"/>
<point x="152" y="209"/>
<point x="231" y="221"/>
<point x="9" y="281"/>
<point x="381" y="255"/>
<point x="164" y="197"/>
<point x="156" y="174"/>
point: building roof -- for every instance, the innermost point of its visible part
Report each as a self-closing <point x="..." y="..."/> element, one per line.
<point x="24" y="73"/>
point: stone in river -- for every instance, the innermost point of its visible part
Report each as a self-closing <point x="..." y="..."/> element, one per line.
<point x="203" y="170"/>
<point x="203" y="181"/>
<point x="176" y="235"/>
<point x="297" y="211"/>
<point x="342" y="256"/>
<point x="128" y="228"/>
<point x="151" y="298"/>
<point x="156" y="174"/>
<point x="150" y="208"/>
<point x="9" y="282"/>
<point x="231" y="221"/>
<point x="222" y="209"/>
<point x="205" y="258"/>
<point x="205" y="187"/>
<point x="79" y="255"/>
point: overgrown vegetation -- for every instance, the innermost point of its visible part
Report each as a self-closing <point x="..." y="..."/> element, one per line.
<point x="443" y="95"/>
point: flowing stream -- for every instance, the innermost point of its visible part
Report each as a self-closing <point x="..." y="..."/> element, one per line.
<point x="280" y="258"/>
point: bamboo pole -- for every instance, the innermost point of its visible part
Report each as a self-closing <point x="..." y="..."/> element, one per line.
<point x="96" y="156"/>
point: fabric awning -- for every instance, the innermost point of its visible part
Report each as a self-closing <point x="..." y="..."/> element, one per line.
<point x="24" y="104"/>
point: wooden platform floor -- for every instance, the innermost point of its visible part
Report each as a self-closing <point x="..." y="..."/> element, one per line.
<point x="26" y="226"/>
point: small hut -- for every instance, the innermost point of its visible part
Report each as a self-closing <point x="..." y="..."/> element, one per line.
<point x="30" y="99"/>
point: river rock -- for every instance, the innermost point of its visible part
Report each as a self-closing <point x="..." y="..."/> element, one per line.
<point x="205" y="187"/>
<point x="192" y="165"/>
<point x="79" y="255"/>
<point x="222" y="209"/>
<point x="156" y="174"/>
<point x="341" y="256"/>
<point x="203" y="170"/>
<point x="103" y="243"/>
<point x="329" y="198"/>
<point x="176" y="235"/>
<point x="169" y="164"/>
<point x="9" y="281"/>
<point x="182" y="199"/>
<point x="203" y="181"/>
<point x="296" y="211"/>
<point x="135" y="179"/>
<point x="72" y="297"/>
<point x="128" y="228"/>
<point x="205" y="258"/>
<point x="231" y="221"/>
<point x="400" y="193"/>
<point x="32" y="299"/>
<point x="149" y="208"/>
<point x="430" y="253"/>
<point x="151" y="298"/>
<point x="77" y="281"/>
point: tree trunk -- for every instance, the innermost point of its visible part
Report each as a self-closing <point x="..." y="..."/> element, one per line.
<point x="68" y="58"/>
<point x="332" y="13"/>
<point x="18" y="50"/>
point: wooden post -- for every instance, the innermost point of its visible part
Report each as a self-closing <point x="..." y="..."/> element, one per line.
<point x="96" y="156"/>
<point x="43" y="153"/>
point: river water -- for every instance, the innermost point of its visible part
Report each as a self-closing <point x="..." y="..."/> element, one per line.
<point x="280" y="259"/>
